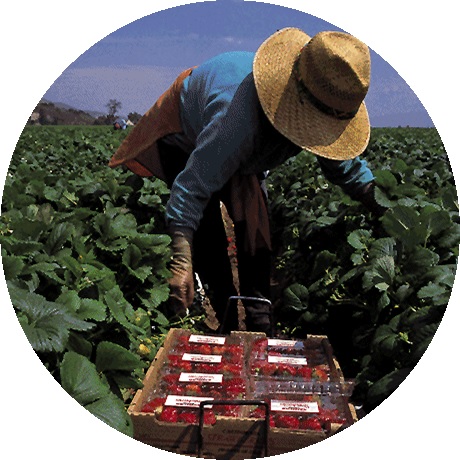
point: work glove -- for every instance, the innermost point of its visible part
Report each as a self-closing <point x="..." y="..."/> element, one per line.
<point x="367" y="198"/>
<point x="182" y="283"/>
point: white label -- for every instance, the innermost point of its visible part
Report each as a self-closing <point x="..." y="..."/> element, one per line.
<point x="207" y="339"/>
<point x="287" y="360"/>
<point x="202" y="358"/>
<point x="284" y="343"/>
<point x="294" y="406"/>
<point x="185" y="401"/>
<point x="196" y="377"/>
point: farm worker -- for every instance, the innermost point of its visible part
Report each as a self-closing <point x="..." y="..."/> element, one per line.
<point x="119" y="124"/>
<point x="221" y="126"/>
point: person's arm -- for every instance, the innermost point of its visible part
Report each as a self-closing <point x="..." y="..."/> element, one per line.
<point x="351" y="175"/>
<point x="355" y="178"/>
<point x="221" y="145"/>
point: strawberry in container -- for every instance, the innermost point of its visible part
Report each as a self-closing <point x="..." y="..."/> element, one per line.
<point x="229" y="365"/>
<point x="289" y="368"/>
<point x="303" y="412"/>
<point x="178" y="409"/>
<point x="186" y="341"/>
<point x="264" y="346"/>
<point x="202" y="384"/>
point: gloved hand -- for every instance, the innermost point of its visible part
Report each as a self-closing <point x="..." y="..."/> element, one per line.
<point x="367" y="198"/>
<point x="181" y="283"/>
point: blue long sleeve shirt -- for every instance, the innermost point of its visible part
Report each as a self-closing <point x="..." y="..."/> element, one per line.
<point x="225" y="132"/>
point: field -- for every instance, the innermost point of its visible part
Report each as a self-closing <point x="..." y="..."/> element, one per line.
<point x="85" y="257"/>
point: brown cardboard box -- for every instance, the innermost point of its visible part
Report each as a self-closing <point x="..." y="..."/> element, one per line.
<point x="229" y="437"/>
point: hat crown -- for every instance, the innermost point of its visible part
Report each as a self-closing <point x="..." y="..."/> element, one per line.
<point x="335" y="68"/>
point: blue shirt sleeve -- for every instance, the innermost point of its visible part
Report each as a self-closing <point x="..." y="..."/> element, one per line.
<point x="350" y="175"/>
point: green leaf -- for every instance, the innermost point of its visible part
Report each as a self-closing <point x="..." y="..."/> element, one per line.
<point x="323" y="262"/>
<point x="385" y="179"/>
<point x="384" y="270"/>
<point x="385" y="386"/>
<point x="385" y="341"/>
<point x="81" y="380"/>
<point x="12" y="266"/>
<point x="46" y="324"/>
<point x="435" y="221"/>
<point x="110" y="356"/>
<point x="92" y="309"/>
<point x="296" y="297"/>
<point x="403" y="223"/>
<point x="158" y="295"/>
<point x="59" y="235"/>
<point x="111" y="411"/>
<point x="358" y="238"/>
<point x="132" y="258"/>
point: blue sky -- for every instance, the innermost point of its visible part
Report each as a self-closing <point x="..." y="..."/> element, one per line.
<point x="136" y="63"/>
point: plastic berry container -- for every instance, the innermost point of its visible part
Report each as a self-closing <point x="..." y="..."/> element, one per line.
<point x="174" y="408"/>
<point x="303" y="412"/>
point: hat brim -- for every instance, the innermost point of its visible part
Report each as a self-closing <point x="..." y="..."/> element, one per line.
<point x="296" y="118"/>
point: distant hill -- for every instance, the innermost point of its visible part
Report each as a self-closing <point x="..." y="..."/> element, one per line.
<point x="49" y="113"/>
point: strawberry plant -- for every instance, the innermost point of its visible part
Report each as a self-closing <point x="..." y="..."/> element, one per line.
<point x="378" y="287"/>
<point x="85" y="257"/>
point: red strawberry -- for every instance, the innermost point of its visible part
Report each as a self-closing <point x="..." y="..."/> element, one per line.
<point x="304" y="371"/>
<point x="311" y="423"/>
<point x="188" y="417"/>
<point x="265" y="368"/>
<point x="175" y="389"/>
<point x="329" y="416"/>
<point x="218" y="349"/>
<point x="260" y="344"/>
<point x="235" y="386"/>
<point x="174" y="360"/>
<point x="209" y="417"/>
<point x="168" y="414"/>
<point x="227" y="410"/>
<point x="232" y="369"/>
<point x="259" y="412"/>
<point x="287" y="421"/>
<point x="286" y="369"/>
<point x="321" y="374"/>
<point x="171" y="378"/>
<point x="153" y="405"/>
<point x="193" y="389"/>
<point x="204" y="349"/>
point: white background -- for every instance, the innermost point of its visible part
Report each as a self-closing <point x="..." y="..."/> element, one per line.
<point x="39" y="39"/>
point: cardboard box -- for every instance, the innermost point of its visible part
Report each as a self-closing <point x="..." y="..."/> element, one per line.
<point x="228" y="437"/>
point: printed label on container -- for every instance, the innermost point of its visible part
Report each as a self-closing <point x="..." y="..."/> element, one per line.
<point x="202" y="358"/>
<point x="185" y="401"/>
<point x="287" y="360"/>
<point x="203" y="378"/>
<point x="284" y="343"/>
<point x="294" y="406"/>
<point x="194" y="338"/>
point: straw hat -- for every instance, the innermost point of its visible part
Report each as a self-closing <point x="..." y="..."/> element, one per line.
<point x="312" y="90"/>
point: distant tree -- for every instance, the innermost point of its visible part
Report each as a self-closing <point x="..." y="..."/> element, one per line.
<point x="113" y="106"/>
<point x="134" y="117"/>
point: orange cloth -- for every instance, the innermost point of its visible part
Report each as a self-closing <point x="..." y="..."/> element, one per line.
<point x="139" y="152"/>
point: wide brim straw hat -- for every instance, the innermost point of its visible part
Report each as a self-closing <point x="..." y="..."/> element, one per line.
<point x="312" y="90"/>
